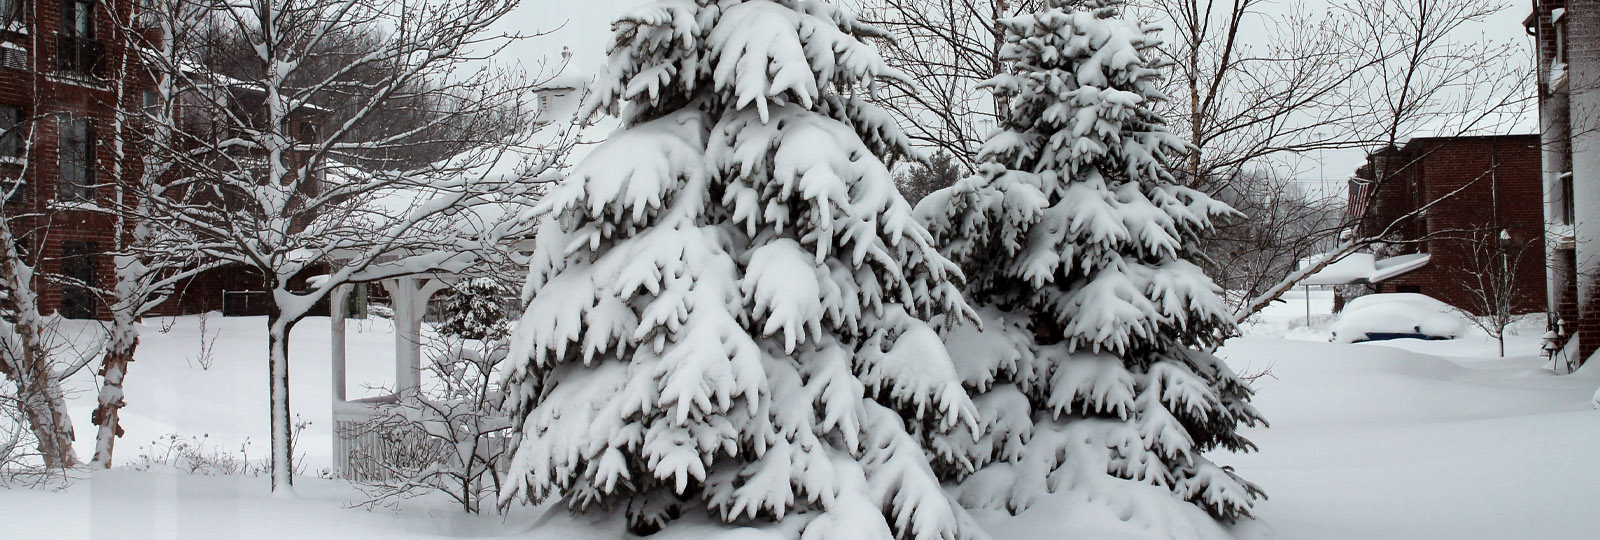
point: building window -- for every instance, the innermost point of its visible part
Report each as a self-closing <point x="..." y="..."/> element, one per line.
<point x="77" y="52"/>
<point x="152" y="103"/>
<point x="79" y="262"/>
<point x="12" y="188"/>
<point x="77" y="18"/>
<point x="10" y="131"/>
<point x="77" y="160"/>
<point x="1558" y="20"/>
<point x="146" y="13"/>
<point x="9" y="11"/>
<point x="1568" y="208"/>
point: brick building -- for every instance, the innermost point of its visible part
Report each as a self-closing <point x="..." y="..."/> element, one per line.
<point x="1568" y="51"/>
<point x="64" y="71"/>
<point x="61" y="79"/>
<point x="1493" y="224"/>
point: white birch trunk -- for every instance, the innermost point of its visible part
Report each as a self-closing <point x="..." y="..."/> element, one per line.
<point x="28" y="363"/>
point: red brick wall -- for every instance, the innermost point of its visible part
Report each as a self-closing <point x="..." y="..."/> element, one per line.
<point x="1499" y="179"/>
<point x="1565" y="113"/>
<point x="46" y="96"/>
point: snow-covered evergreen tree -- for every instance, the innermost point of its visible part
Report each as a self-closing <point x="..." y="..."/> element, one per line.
<point x="1092" y="359"/>
<point x="476" y="309"/>
<point x="726" y="316"/>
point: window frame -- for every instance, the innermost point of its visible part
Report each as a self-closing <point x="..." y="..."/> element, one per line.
<point x="150" y="103"/>
<point x="83" y="188"/>
<point x="1558" y="23"/>
<point x="74" y="12"/>
<point x="1569" y="208"/>
<point x="10" y="13"/>
<point x="10" y="131"/>
<point x="78" y="301"/>
<point x="78" y="52"/>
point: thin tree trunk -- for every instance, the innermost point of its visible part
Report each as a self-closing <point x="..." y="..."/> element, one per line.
<point x="278" y="388"/>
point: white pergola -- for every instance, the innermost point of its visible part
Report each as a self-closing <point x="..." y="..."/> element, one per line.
<point x="557" y="100"/>
<point x="410" y="295"/>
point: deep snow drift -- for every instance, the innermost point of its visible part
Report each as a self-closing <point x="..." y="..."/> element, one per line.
<point x="1403" y="439"/>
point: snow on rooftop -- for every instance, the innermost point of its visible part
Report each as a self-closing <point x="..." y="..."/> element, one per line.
<point x="1362" y="268"/>
<point x="559" y="98"/>
<point x="1394" y="266"/>
<point x="1351" y="269"/>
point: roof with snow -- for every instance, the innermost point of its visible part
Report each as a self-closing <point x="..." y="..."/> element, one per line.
<point x="559" y="98"/>
<point x="1362" y="268"/>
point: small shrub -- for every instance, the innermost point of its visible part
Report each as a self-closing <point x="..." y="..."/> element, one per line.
<point x="447" y="439"/>
<point x="199" y="455"/>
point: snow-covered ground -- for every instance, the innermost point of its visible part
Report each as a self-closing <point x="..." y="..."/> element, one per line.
<point x="1416" y="439"/>
<point x="1403" y="439"/>
<point x="170" y="391"/>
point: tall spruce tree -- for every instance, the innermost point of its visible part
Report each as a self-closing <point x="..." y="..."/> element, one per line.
<point x="1092" y="359"/>
<point x="727" y="312"/>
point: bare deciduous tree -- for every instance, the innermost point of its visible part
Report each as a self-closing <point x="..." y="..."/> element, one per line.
<point x="31" y="360"/>
<point x="946" y="48"/>
<point x="28" y="361"/>
<point x="1282" y="224"/>
<point x="348" y="138"/>
<point x="453" y="436"/>
<point x="1490" y="261"/>
<point x="150" y="260"/>
<point x="1422" y="75"/>
<point x="1252" y="80"/>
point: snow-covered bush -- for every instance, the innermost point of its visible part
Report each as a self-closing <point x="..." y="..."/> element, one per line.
<point x="476" y="309"/>
<point x="1092" y="361"/>
<point x="728" y="312"/>
<point x="445" y="438"/>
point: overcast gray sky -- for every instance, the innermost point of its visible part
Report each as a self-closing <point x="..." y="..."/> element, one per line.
<point x="584" y="26"/>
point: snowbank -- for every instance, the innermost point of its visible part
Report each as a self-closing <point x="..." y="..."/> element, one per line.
<point x="1373" y="441"/>
<point x="139" y="505"/>
<point x="1352" y="268"/>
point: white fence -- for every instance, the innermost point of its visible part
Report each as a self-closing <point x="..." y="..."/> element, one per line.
<point x="366" y="448"/>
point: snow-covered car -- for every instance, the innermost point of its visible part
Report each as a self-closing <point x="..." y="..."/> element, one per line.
<point x="1395" y="316"/>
